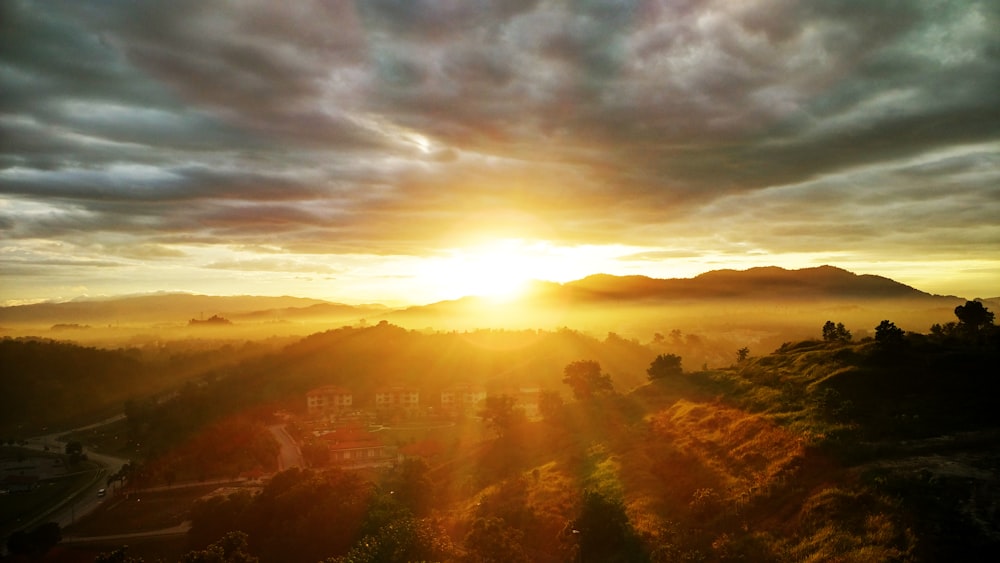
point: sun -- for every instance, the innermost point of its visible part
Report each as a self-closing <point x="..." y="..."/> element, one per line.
<point x="498" y="270"/>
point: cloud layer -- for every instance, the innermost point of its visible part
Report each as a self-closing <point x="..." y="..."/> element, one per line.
<point x="255" y="135"/>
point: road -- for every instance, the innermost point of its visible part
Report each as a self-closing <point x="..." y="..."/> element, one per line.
<point x="84" y="500"/>
<point x="290" y="454"/>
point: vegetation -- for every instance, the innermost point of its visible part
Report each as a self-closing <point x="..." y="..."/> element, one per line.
<point x="836" y="332"/>
<point x="587" y="380"/>
<point x="500" y="413"/>
<point x="665" y="365"/>
<point x="881" y="448"/>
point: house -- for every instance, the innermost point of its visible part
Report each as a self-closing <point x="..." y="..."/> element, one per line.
<point x="356" y="448"/>
<point x="406" y="399"/>
<point x="327" y="400"/>
<point x="462" y="398"/>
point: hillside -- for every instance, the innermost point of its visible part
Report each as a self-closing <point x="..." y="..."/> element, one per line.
<point x="886" y="449"/>
<point x="761" y="307"/>
<point x="176" y="308"/>
<point x="812" y="284"/>
<point x="581" y="304"/>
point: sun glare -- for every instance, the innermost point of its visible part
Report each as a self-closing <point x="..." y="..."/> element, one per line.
<point x="498" y="271"/>
<point x="501" y="268"/>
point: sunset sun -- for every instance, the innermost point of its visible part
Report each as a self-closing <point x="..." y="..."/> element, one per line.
<point x="498" y="270"/>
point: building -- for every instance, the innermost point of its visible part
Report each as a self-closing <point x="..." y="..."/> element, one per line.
<point x="462" y="398"/>
<point x="356" y="448"/>
<point x="328" y="400"/>
<point x="405" y="399"/>
<point x="528" y="399"/>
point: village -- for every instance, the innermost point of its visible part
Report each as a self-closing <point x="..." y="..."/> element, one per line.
<point x="353" y="433"/>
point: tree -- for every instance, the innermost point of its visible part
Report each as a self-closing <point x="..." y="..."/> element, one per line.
<point x="664" y="365"/>
<point x="602" y="529"/>
<point x="742" y="354"/>
<point x="411" y="485"/>
<point x="74" y="450"/>
<point x="973" y="318"/>
<point x="492" y="540"/>
<point x="119" y="555"/>
<point x="406" y="539"/>
<point x="550" y="405"/>
<point x="499" y="414"/>
<point x="74" y="447"/>
<point x="836" y="332"/>
<point x="888" y="335"/>
<point x="586" y="380"/>
<point x="231" y="548"/>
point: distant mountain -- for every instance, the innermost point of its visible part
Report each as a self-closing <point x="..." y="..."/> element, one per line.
<point x="824" y="282"/>
<point x="543" y="304"/>
<point x="177" y="308"/>
<point x="723" y="299"/>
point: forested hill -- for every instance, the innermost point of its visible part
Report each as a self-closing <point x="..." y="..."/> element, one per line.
<point x="882" y="449"/>
<point x="44" y="382"/>
<point x="363" y="358"/>
<point x="48" y="383"/>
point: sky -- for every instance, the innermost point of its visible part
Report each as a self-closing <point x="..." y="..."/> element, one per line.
<point x="407" y="151"/>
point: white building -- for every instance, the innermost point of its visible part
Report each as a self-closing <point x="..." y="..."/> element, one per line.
<point x="462" y="398"/>
<point x="328" y="399"/>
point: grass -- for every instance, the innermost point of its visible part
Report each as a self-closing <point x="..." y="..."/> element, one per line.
<point x="140" y="513"/>
<point x="109" y="438"/>
<point x="19" y="509"/>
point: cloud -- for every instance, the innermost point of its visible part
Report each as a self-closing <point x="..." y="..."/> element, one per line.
<point x="271" y="265"/>
<point x="390" y="127"/>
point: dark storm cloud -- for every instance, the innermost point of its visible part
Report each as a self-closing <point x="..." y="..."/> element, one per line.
<point x="377" y="126"/>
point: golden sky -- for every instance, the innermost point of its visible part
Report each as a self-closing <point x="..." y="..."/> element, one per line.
<point x="406" y="152"/>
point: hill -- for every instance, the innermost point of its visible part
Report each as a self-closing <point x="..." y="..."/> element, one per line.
<point x="881" y="450"/>
<point x="874" y="449"/>
<point x="725" y="309"/>
<point x="156" y="308"/>
<point x="767" y="283"/>
<point x="760" y="305"/>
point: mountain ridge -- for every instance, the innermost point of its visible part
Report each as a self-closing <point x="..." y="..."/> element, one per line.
<point x="754" y="284"/>
<point x="821" y="281"/>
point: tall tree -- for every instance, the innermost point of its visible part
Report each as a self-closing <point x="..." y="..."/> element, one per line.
<point x="888" y="335"/>
<point x="836" y="332"/>
<point x="664" y="365"/>
<point x="742" y="354"/>
<point x="586" y="379"/>
<point x="492" y="540"/>
<point x="499" y="413"/>
<point x="602" y="529"/>
<point x="973" y="317"/>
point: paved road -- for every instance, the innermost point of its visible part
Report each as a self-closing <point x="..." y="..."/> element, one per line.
<point x="290" y="454"/>
<point x="85" y="499"/>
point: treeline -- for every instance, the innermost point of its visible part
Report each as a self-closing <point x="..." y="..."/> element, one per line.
<point x="823" y="450"/>
<point x="57" y="384"/>
<point x="45" y="382"/>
